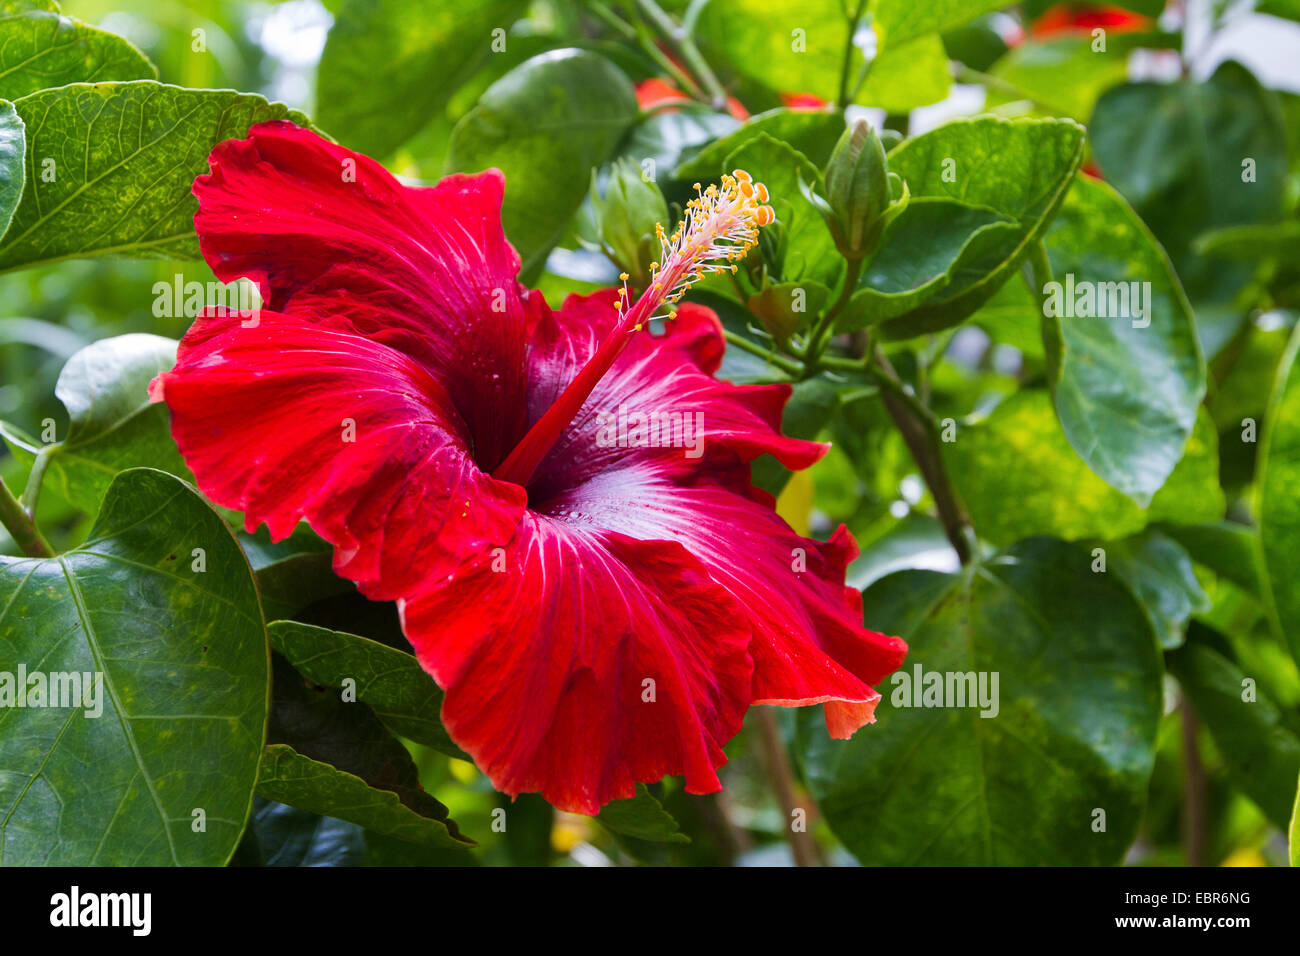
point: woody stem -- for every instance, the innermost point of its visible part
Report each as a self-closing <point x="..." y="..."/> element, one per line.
<point x="22" y="526"/>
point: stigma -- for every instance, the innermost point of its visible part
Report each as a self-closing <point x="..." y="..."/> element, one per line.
<point x="718" y="229"/>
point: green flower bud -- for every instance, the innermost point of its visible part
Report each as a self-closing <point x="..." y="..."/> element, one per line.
<point x="857" y="190"/>
<point x="626" y="216"/>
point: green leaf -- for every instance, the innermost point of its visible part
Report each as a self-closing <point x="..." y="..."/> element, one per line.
<point x="1063" y="74"/>
<point x="789" y="48"/>
<point x="293" y="573"/>
<point x="809" y="250"/>
<point x="1278" y="477"/>
<point x="160" y="601"/>
<point x="897" y="21"/>
<point x="814" y="134"/>
<point x="288" y="777"/>
<point x="665" y="137"/>
<point x="800" y="48"/>
<point x="113" y="425"/>
<point x="389" y="66"/>
<point x="389" y="681"/>
<point x="907" y="76"/>
<point x="1179" y="153"/>
<point x="1078" y="707"/>
<point x="1228" y="549"/>
<point x="920" y="254"/>
<point x="40" y="49"/>
<point x="1159" y="573"/>
<point x="1020" y="168"/>
<point x="125" y="158"/>
<point x="546" y="124"/>
<point x="1129" y="384"/>
<point x="1010" y="470"/>
<point x="331" y="726"/>
<point x="280" y="835"/>
<point x="641" y="817"/>
<point x="1260" y="746"/>
<point x="13" y="147"/>
<point x="1279" y="240"/>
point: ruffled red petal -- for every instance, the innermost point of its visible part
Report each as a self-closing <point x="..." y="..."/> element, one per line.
<point x="331" y="234"/>
<point x="286" y="420"/>
<point x="578" y="662"/>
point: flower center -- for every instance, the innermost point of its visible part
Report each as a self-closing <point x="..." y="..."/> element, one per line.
<point x="720" y="227"/>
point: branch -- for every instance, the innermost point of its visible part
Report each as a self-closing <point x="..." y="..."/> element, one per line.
<point x="923" y="441"/>
<point x="21" y="526"/>
<point x="802" y="843"/>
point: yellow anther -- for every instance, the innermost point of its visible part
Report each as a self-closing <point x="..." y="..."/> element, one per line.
<point x="623" y="276"/>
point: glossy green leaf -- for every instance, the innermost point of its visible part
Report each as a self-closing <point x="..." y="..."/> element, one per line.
<point x="1192" y="157"/>
<point x="1279" y="240"/>
<point x="280" y="835"/>
<point x="1078" y="703"/>
<point x="1130" y="382"/>
<point x="907" y="76"/>
<point x="160" y="601"/>
<point x="657" y="144"/>
<point x="13" y="147"/>
<point x="920" y="254"/>
<point x="808" y="249"/>
<point x="1278" y="479"/>
<point x="1258" y="742"/>
<point x="40" y="49"/>
<point x="1063" y="75"/>
<point x="897" y="21"/>
<point x="1228" y="549"/>
<point x="790" y="48"/>
<point x="293" y="573"/>
<point x="124" y="157"/>
<point x="289" y="777"/>
<point x="1019" y="168"/>
<point x="389" y="681"/>
<point x="1159" y="573"/>
<point x="546" y="124"/>
<point x="1010" y="470"/>
<point x="813" y="134"/>
<point x="113" y="425"/>
<point x="389" y="66"/>
<point x="800" y="48"/>
<point x="643" y="818"/>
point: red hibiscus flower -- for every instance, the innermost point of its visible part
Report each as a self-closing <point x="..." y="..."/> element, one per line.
<point x="805" y="102"/>
<point x="654" y="92"/>
<point x="599" y="608"/>
<point x="1086" y="17"/>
